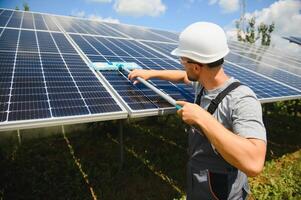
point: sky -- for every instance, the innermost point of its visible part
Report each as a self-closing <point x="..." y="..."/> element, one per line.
<point x="175" y="15"/>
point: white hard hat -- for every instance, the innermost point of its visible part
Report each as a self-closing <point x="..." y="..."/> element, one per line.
<point x="203" y="42"/>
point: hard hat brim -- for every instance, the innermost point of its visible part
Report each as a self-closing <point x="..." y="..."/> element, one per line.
<point x="198" y="57"/>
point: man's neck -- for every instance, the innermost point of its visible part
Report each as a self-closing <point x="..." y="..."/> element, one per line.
<point x="213" y="78"/>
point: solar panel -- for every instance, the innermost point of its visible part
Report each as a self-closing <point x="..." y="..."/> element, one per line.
<point x="46" y="79"/>
<point x="276" y="53"/>
<point x="138" y="98"/>
<point x="268" y="57"/>
<point x="280" y="83"/>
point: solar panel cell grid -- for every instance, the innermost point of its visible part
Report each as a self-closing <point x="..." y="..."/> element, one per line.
<point x="27" y="21"/>
<point x="293" y="80"/>
<point x="263" y="87"/>
<point x="50" y="23"/>
<point x="8" y="40"/>
<point x="15" y="20"/>
<point x="28" y="41"/>
<point x="4" y="17"/>
<point x="46" y="43"/>
<point x="39" y="22"/>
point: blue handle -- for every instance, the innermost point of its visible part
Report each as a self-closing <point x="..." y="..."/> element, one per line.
<point x="178" y="107"/>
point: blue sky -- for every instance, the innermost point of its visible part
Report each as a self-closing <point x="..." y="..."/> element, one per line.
<point x="164" y="14"/>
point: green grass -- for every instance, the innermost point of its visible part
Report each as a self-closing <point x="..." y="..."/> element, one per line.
<point x="154" y="162"/>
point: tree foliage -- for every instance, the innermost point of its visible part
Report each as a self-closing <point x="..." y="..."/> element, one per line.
<point x="248" y="34"/>
<point x="26" y="6"/>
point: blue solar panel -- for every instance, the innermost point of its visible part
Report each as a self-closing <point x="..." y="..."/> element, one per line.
<point x="262" y="86"/>
<point x="290" y="79"/>
<point x="255" y="75"/>
<point x="43" y="77"/>
<point x="276" y="54"/>
<point x="109" y="49"/>
<point x="246" y="55"/>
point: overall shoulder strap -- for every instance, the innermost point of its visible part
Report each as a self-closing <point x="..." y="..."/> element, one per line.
<point x="198" y="99"/>
<point x="214" y="103"/>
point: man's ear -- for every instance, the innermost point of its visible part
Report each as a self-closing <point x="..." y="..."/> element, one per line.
<point x="198" y="66"/>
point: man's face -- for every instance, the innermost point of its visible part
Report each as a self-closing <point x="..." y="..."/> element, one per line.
<point x="189" y="68"/>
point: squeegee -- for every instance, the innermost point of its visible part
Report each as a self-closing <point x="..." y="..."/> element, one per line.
<point x="128" y="66"/>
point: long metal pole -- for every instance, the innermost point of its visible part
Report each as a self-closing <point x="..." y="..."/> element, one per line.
<point x="120" y="127"/>
<point x="19" y="137"/>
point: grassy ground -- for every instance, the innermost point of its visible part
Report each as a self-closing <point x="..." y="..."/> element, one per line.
<point x="86" y="163"/>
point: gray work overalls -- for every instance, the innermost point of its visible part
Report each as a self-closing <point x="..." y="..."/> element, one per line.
<point x="209" y="176"/>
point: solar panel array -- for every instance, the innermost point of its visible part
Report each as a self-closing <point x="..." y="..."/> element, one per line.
<point x="46" y="79"/>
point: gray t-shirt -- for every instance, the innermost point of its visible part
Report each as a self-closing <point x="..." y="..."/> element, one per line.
<point x="240" y="111"/>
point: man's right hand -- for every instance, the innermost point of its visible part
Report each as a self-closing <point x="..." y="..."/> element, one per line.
<point x="145" y="74"/>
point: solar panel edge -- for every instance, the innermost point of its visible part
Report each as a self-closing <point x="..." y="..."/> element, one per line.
<point x="60" y="121"/>
<point x="276" y="99"/>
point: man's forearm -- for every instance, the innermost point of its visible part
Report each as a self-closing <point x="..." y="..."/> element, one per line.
<point x="245" y="154"/>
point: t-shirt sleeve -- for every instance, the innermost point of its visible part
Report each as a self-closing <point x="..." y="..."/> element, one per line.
<point x="247" y="117"/>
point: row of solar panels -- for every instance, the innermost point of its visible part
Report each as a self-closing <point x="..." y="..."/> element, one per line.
<point x="46" y="80"/>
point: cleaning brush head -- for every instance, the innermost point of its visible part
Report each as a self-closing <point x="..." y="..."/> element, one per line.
<point x="115" y="66"/>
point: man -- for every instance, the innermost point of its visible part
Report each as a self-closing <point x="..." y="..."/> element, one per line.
<point x="227" y="139"/>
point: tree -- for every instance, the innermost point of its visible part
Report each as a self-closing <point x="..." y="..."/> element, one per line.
<point x="265" y="32"/>
<point x="26" y="6"/>
<point x="17" y="8"/>
<point x="248" y="34"/>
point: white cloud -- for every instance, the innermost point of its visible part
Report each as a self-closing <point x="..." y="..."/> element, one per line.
<point x="104" y="19"/>
<point x="211" y="2"/>
<point x="82" y="14"/>
<point x="228" y="6"/>
<point x="139" y="8"/>
<point x="99" y="1"/>
<point x="77" y="13"/>
<point x="287" y="17"/>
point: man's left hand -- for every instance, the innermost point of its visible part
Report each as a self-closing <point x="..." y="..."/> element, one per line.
<point x="191" y="113"/>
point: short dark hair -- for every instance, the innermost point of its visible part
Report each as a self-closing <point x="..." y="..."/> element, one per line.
<point x="215" y="63"/>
